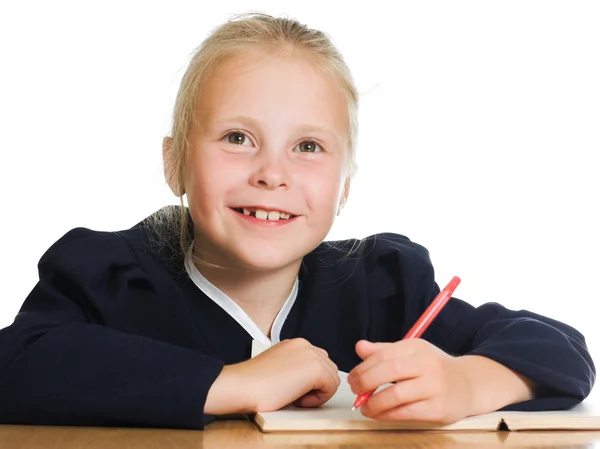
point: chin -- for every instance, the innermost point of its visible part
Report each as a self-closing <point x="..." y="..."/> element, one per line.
<point x="270" y="258"/>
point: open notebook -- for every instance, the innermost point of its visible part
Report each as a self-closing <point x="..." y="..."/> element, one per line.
<point x="336" y="414"/>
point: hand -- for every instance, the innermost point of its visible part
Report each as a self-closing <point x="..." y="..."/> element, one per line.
<point x="430" y="385"/>
<point x="290" y="371"/>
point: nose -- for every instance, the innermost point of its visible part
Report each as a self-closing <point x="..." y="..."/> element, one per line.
<point x="270" y="171"/>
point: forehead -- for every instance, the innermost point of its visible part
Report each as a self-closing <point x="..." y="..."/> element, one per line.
<point x="286" y="89"/>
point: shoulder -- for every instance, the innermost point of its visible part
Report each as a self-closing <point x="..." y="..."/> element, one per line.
<point x="83" y="253"/>
<point x="374" y="250"/>
<point x="87" y="250"/>
<point x="389" y="263"/>
<point x="397" y="245"/>
<point x="84" y="242"/>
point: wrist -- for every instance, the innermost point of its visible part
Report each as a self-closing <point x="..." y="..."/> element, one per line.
<point x="492" y="384"/>
<point x="229" y="394"/>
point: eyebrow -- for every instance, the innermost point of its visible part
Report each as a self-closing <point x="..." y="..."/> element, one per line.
<point x="252" y="122"/>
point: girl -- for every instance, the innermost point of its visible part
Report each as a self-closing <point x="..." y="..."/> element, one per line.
<point x="153" y="326"/>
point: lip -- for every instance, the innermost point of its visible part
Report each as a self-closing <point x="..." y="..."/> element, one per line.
<point x="263" y="207"/>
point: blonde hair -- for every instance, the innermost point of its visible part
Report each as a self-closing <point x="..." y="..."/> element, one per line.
<point x="254" y="30"/>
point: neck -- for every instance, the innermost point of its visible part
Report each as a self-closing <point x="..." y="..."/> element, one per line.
<point x="261" y="294"/>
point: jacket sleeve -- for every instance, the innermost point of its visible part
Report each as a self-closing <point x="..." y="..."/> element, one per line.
<point x="549" y="352"/>
<point x="59" y="365"/>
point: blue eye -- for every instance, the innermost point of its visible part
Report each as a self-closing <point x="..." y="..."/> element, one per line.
<point x="237" y="138"/>
<point x="309" y="146"/>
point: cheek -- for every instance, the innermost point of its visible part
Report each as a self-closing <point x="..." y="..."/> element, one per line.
<point x="208" y="181"/>
<point x="324" y="189"/>
<point x="212" y="171"/>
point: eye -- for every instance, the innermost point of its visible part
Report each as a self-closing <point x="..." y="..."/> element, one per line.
<point x="238" y="138"/>
<point x="309" y="146"/>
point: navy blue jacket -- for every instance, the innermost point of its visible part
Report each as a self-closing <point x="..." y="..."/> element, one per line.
<point x="116" y="334"/>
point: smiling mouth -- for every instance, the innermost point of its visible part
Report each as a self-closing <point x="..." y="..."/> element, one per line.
<point x="272" y="215"/>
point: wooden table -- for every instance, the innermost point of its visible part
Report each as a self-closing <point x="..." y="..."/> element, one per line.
<point x="243" y="434"/>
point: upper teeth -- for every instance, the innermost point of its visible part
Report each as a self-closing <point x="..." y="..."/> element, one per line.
<point x="268" y="215"/>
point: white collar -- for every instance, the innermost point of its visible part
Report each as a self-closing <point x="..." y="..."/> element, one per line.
<point x="234" y="310"/>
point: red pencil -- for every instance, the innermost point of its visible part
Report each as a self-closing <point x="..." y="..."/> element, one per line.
<point x="421" y="325"/>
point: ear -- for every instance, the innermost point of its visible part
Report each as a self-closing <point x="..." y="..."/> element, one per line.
<point x="169" y="170"/>
<point x="344" y="196"/>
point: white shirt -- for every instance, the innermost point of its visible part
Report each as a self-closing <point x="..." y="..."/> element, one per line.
<point x="234" y="310"/>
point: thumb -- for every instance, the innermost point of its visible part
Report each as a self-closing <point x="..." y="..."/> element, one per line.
<point x="366" y="349"/>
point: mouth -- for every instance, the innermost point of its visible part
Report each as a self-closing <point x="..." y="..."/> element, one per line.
<point x="265" y="214"/>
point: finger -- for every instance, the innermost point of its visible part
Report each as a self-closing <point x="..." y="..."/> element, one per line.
<point x="322" y="352"/>
<point x="327" y="379"/>
<point x="313" y="398"/>
<point x="399" y="369"/>
<point x="365" y="348"/>
<point x="394" y="396"/>
<point x="333" y="375"/>
<point x="329" y="364"/>
<point x="424" y="411"/>
<point x="324" y="357"/>
<point x="323" y="389"/>
<point x="384" y="351"/>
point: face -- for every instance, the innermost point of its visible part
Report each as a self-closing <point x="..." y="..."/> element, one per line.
<point x="271" y="137"/>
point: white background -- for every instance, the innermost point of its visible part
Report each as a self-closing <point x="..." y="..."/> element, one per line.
<point x="479" y="125"/>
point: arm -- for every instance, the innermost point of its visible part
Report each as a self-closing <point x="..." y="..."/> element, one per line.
<point x="543" y="353"/>
<point x="84" y="374"/>
<point x="72" y="358"/>
<point x="60" y="365"/>
<point x="432" y="385"/>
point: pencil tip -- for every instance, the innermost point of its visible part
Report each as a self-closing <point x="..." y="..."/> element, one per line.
<point x="353" y="408"/>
